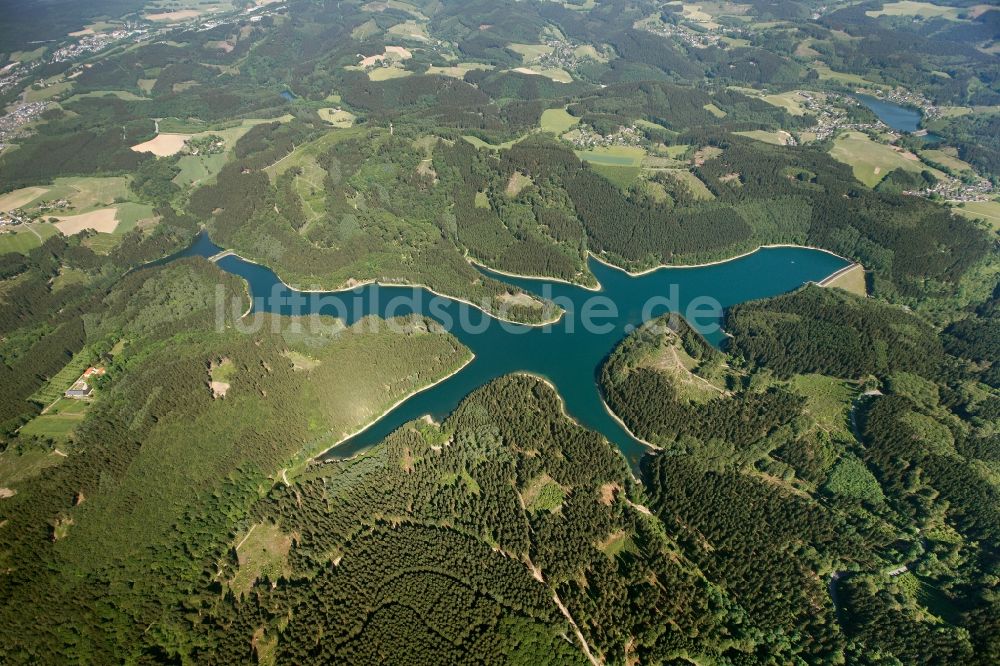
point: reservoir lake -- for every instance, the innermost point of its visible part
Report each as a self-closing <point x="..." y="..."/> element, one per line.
<point x="899" y="118"/>
<point x="566" y="353"/>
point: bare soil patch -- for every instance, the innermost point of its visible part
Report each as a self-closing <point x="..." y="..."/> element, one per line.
<point x="518" y="181"/>
<point x="524" y="300"/>
<point x="398" y="51"/>
<point x="164" y="145"/>
<point x="21" y="197"/>
<point x="103" y="221"/>
<point x="178" y="15"/>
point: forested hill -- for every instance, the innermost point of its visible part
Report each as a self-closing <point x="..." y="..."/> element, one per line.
<point x="773" y="455"/>
<point x="823" y="490"/>
<point x="27" y="24"/>
<point x="505" y="534"/>
<point x="123" y="526"/>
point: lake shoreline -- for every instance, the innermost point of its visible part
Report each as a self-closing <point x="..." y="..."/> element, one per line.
<point x="412" y="285"/>
<point x="540" y="278"/>
<point x="718" y="261"/>
<point x="417" y="285"/>
<point x="376" y="419"/>
<point x="537" y="363"/>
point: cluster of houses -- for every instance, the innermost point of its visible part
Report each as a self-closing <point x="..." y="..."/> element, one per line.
<point x="13" y="218"/>
<point x="21" y="114"/>
<point x="586" y="137"/>
<point x="93" y="42"/>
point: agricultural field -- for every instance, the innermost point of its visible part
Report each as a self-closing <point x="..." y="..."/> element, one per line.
<point x="365" y="30"/>
<point x="622" y="176"/>
<point x="624" y="156"/>
<point x="174" y="16"/>
<point x="457" y="71"/>
<point x="163" y="145"/>
<point x="805" y="49"/>
<point x="20" y="198"/>
<point x="337" y="117"/>
<point x="183" y="125"/>
<point x="25" y="237"/>
<point x="173" y="11"/>
<point x="678" y="151"/>
<point x="870" y="160"/>
<point x="827" y="74"/>
<point x="59" y="421"/>
<point x="410" y="30"/>
<point x="622" y="165"/>
<point x="645" y="123"/>
<point x="400" y="5"/>
<point x="388" y="73"/>
<point x="49" y="91"/>
<point x="103" y="220"/>
<point x="83" y="194"/>
<point x="198" y="169"/>
<point x="777" y="138"/>
<point x="947" y="157"/>
<point x="90" y="204"/>
<point x="923" y="10"/>
<point x="553" y="73"/>
<point x="27" y="56"/>
<point x="557" y="121"/>
<point x="386" y="65"/>
<point x="305" y="155"/>
<point x="985" y="210"/>
<point x="695" y="13"/>
<point x="530" y="52"/>
<point x="128" y="216"/>
<point x="589" y="51"/>
<point x="790" y="101"/>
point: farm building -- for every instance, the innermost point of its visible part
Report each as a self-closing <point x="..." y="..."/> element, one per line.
<point x="81" y="388"/>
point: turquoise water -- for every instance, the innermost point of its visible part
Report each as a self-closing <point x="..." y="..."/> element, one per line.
<point x="570" y="351"/>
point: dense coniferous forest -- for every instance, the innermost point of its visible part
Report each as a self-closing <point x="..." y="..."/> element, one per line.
<point x="822" y="488"/>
